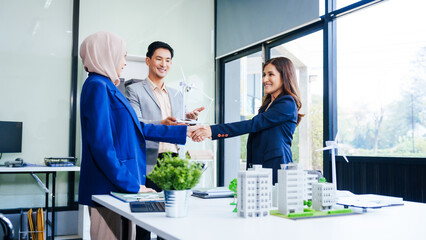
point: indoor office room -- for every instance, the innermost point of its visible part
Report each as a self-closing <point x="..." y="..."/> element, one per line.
<point x="332" y="89"/>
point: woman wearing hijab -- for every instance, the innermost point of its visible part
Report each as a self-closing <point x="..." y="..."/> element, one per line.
<point x="271" y="130"/>
<point x="113" y="140"/>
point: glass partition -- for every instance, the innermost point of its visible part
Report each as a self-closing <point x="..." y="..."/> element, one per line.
<point x="243" y="97"/>
<point x="306" y="53"/>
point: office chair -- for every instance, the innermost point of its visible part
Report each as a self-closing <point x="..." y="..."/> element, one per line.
<point x="6" y="228"/>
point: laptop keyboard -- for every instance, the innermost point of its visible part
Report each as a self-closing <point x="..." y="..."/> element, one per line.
<point x="147" y="206"/>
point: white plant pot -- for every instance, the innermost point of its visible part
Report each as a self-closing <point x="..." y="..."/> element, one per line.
<point x="176" y="202"/>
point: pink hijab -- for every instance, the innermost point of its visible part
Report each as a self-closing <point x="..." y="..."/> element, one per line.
<point x="101" y="53"/>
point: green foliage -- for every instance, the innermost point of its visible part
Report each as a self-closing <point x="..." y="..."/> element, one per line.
<point x="243" y="147"/>
<point x="307" y="203"/>
<point x="174" y="173"/>
<point x="315" y="115"/>
<point x="233" y="185"/>
<point x="295" y="146"/>
<point x="243" y="140"/>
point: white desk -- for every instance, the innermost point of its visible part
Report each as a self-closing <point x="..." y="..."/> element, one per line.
<point x="45" y="170"/>
<point x="213" y="219"/>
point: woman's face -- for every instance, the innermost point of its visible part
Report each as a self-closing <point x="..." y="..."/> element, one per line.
<point x="272" y="82"/>
<point x="121" y="65"/>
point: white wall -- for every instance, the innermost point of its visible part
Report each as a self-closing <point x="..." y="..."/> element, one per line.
<point x="35" y="66"/>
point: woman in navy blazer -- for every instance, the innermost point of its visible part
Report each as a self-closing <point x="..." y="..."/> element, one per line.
<point x="271" y="130"/>
<point x="113" y="140"/>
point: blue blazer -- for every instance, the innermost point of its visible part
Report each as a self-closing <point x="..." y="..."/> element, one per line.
<point x="113" y="141"/>
<point x="270" y="134"/>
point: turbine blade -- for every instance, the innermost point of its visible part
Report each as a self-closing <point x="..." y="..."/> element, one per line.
<point x="183" y="75"/>
<point x="323" y="149"/>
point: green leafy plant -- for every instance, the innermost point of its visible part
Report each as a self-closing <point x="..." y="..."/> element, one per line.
<point x="174" y="173"/>
<point x="233" y="185"/>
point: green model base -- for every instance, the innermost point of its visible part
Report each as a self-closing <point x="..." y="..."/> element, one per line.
<point x="311" y="213"/>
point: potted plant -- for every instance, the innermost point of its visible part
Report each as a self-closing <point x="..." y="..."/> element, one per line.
<point x="176" y="176"/>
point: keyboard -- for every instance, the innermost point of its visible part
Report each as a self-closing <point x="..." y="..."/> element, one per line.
<point x="147" y="206"/>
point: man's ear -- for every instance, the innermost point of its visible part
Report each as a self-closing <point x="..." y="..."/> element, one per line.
<point x="147" y="61"/>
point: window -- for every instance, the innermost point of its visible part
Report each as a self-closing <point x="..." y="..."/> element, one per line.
<point x="381" y="80"/>
<point x="344" y="3"/>
<point x="306" y="53"/>
<point x="243" y="97"/>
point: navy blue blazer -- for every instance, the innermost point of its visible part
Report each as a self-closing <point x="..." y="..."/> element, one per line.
<point x="270" y="134"/>
<point x="113" y="141"/>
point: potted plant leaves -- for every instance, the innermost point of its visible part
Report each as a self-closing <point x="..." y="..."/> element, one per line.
<point x="176" y="176"/>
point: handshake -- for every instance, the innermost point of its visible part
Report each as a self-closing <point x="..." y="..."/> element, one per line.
<point x="199" y="132"/>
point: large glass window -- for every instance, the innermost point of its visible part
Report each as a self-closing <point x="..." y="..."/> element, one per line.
<point x="381" y="80"/>
<point x="243" y="97"/>
<point x="344" y="3"/>
<point x="306" y="53"/>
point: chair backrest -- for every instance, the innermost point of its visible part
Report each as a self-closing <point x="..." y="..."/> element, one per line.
<point x="6" y="228"/>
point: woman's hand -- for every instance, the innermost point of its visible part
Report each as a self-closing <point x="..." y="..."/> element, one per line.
<point x="144" y="189"/>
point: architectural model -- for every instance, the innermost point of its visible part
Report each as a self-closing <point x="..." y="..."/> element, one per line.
<point x="292" y="185"/>
<point x="254" y="192"/>
<point x="324" y="196"/>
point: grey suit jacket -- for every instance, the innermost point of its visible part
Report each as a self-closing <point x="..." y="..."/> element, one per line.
<point x="147" y="108"/>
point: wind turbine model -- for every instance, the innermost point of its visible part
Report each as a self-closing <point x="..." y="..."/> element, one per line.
<point x="186" y="88"/>
<point x="333" y="145"/>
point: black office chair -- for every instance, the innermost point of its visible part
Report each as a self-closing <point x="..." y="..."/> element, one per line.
<point x="6" y="228"/>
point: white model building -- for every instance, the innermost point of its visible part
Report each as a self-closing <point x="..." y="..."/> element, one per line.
<point x="324" y="196"/>
<point x="254" y="192"/>
<point x="310" y="180"/>
<point x="292" y="187"/>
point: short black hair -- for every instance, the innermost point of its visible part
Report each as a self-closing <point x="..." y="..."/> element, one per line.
<point x="156" y="45"/>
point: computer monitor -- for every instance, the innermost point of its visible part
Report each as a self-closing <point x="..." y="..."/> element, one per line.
<point x="10" y="137"/>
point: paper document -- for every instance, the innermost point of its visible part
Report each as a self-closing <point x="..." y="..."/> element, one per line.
<point x="370" y="201"/>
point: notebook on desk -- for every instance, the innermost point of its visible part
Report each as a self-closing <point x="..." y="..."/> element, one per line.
<point x="135" y="197"/>
<point x="217" y="192"/>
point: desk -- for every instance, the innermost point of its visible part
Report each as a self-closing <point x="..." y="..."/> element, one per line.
<point x="47" y="171"/>
<point x="213" y="219"/>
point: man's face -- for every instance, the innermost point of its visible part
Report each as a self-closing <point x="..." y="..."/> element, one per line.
<point x="159" y="64"/>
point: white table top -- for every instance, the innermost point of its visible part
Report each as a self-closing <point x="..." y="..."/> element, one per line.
<point x="35" y="169"/>
<point x="214" y="219"/>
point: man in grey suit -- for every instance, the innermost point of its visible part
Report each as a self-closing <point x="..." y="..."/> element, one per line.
<point x="156" y="103"/>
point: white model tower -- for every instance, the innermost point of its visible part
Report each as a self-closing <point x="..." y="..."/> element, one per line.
<point x="310" y="180"/>
<point x="324" y="196"/>
<point x="292" y="187"/>
<point x="254" y="192"/>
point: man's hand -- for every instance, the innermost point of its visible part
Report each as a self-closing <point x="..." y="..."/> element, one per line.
<point x="144" y="189"/>
<point x="201" y="133"/>
<point x="194" y="114"/>
<point x="170" y="121"/>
